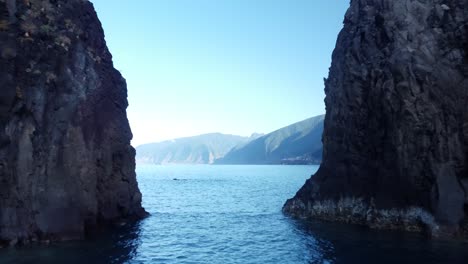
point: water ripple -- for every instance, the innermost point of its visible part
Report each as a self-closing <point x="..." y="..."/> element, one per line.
<point x="232" y="214"/>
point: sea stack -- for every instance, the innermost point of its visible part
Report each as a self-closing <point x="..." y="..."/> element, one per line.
<point x="396" y="127"/>
<point x="66" y="163"/>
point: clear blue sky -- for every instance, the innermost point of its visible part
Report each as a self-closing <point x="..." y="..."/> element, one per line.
<point x="230" y="66"/>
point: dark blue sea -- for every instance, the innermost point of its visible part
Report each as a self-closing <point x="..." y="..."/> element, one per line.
<point x="232" y="214"/>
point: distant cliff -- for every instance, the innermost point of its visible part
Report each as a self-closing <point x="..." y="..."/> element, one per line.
<point x="202" y="149"/>
<point x="66" y="164"/>
<point x="299" y="143"/>
<point x="396" y="127"/>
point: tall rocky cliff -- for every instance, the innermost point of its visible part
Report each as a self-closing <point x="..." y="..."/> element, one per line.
<point x="66" y="164"/>
<point x="396" y="127"/>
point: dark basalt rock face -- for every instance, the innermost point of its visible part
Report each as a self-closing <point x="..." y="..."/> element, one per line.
<point x="396" y="127"/>
<point x="66" y="164"/>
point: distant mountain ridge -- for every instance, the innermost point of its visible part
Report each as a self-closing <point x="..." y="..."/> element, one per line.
<point x="299" y="143"/>
<point x="202" y="149"/>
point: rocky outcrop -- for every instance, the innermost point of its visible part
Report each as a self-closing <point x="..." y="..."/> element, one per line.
<point x="66" y="164"/>
<point x="396" y="128"/>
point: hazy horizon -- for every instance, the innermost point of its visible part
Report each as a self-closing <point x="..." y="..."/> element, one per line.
<point x="233" y="67"/>
<point x="230" y="134"/>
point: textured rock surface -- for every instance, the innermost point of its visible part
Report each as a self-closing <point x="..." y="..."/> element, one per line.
<point x="66" y="164"/>
<point x="396" y="127"/>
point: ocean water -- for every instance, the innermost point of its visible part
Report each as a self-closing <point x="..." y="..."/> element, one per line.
<point x="232" y="214"/>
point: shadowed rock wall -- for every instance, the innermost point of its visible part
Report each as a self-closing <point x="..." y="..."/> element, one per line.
<point x="396" y="127"/>
<point x="66" y="164"/>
